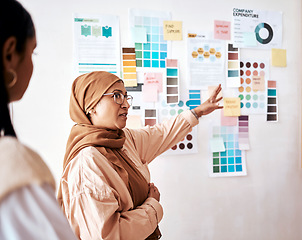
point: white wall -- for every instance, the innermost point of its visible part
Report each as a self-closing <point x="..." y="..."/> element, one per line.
<point x="266" y="204"/>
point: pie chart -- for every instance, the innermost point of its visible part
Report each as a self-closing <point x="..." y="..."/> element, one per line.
<point x="269" y="31"/>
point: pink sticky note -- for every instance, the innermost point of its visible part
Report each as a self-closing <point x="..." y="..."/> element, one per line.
<point x="228" y="121"/>
<point x="149" y="92"/>
<point x="154" y="79"/>
<point x="222" y="30"/>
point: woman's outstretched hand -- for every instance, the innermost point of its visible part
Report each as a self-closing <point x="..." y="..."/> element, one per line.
<point x="211" y="104"/>
<point x="153" y="192"/>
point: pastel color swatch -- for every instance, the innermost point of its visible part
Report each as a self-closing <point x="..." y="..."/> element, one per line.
<point x="172" y="81"/>
<point x="233" y="78"/>
<point x="272" y="101"/>
<point x="252" y="101"/>
<point x="129" y="67"/>
<point x="230" y="162"/>
<point x="243" y="124"/>
<point x="279" y="57"/>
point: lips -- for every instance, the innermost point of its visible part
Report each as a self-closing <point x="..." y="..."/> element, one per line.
<point x="124" y="114"/>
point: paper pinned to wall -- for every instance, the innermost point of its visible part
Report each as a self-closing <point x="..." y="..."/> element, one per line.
<point x="228" y="121"/>
<point x="96" y="43"/>
<point x="278" y="57"/>
<point x="222" y="30"/>
<point x="172" y="30"/>
<point x="258" y="83"/>
<point x="150" y="93"/>
<point x="257" y="29"/>
<point x="206" y="60"/>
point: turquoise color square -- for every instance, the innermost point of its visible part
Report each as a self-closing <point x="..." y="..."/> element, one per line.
<point x="224" y="137"/>
<point x="163" y="55"/>
<point x="155" y="63"/>
<point x="148" y="38"/>
<point x="147" y="63"/>
<point x="147" y="55"/>
<point x="147" y="46"/>
<point x="155" y="55"/>
<point x="155" y="21"/>
<point x="172" y="72"/>
<point x="231" y="160"/>
<point x="230" y="144"/>
<point x="238" y="168"/>
<point x="155" y="46"/>
<point x="163" y="47"/>
<point x="224" y="169"/>
<point x="147" y="21"/>
<point x="148" y="28"/>
<point x="238" y="160"/>
<point x="223" y="129"/>
<point x="155" y="29"/>
<point x="230" y="137"/>
<point x="155" y="38"/>
<point x="223" y="154"/>
<point x="231" y="168"/>
<point x="163" y="64"/>
<point x="223" y="161"/>
<point x="237" y="145"/>
<point x="231" y="153"/>
<point x="237" y="152"/>
<point x="161" y="38"/>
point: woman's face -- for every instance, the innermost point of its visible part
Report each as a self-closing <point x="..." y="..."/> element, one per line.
<point x="107" y="113"/>
<point x="23" y="66"/>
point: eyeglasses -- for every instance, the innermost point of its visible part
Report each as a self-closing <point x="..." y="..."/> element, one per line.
<point x="119" y="98"/>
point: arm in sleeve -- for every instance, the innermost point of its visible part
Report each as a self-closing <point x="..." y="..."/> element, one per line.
<point x="99" y="217"/>
<point x="150" y="142"/>
<point x="32" y="212"/>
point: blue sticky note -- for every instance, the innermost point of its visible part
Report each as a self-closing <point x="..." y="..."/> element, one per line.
<point x="249" y="39"/>
<point x="217" y="144"/>
<point x="139" y="34"/>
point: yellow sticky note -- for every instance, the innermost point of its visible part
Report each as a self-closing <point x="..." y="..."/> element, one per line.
<point x="172" y="30"/>
<point x="278" y="57"/>
<point x="258" y="83"/>
<point x="231" y="107"/>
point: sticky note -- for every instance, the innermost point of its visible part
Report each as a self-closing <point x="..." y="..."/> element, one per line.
<point x="217" y="145"/>
<point x="258" y="83"/>
<point x="278" y="57"/>
<point x="149" y="92"/>
<point x="222" y="30"/>
<point x="228" y="121"/>
<point x="249" y="39"/>
<point x="172" y="30"/>
<point x="231" y="107"/>
<point x="155" y="78"/>
<point x="134" y="121"/>
<point x="139" y="34"/>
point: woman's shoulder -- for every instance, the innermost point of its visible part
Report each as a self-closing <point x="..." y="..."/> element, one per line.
<point x="21" y="166"/>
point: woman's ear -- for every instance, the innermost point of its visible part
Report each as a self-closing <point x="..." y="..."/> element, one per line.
<point x="9" y="56"/>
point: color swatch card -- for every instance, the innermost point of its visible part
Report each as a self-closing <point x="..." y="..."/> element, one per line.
<point x="206" y="61"/>
<point x="253" y="100"/>
<point x="244" y="142"/>
<point x="96" y="43"/>
<point x="272" y="101"/>
<point x="257" y="29"/>
<point x="129" y="67"/>
<point x="233" y="78"/>
<point x="172" y="83"/>
<point x="195" y="98"/>
<point x="150" y="54"/>
<point x="151" y="117"/>
<point x="230" y="162"/>
<point x="188" y="145"/>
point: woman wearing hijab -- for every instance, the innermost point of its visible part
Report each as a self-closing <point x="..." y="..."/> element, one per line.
<point x="105" y="189"/>
<point x="28" y="207"/>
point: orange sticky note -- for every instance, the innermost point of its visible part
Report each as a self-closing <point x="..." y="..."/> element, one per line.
<point x="231" y="107"/>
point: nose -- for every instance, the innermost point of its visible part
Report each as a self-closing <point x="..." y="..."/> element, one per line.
<point x="125" y="104"/>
